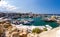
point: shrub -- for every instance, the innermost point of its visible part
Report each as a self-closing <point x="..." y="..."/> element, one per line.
<point x="1" y="29"/>
<point x="37" y="30"/>
<point x="6" y="25"/>
<point x="45" y="29"/>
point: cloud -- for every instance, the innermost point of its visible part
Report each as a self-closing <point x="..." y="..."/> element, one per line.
<point x="10" y="7"/>
<point x="7" y="6"/>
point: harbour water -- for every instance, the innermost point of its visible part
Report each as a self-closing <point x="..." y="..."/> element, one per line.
<point x="39" y="22"/>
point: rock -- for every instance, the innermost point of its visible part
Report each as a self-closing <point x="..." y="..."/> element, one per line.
<point x="51" y="33"/>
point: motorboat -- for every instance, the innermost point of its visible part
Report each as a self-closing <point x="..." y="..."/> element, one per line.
<point x="26" y="23"/>
<point x="16" y="22"/>
<point x="48" y="27"/>
<point x="30" y="20"/>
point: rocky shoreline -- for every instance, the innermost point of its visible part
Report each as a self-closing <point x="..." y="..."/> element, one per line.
<point x="9" y="30"/>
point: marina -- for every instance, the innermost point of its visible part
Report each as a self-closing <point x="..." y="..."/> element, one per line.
<point x="24" y="30"/>
<point x="37" y="21"/>
<point x="26" y="26"/>
<point x="51" y="20"/>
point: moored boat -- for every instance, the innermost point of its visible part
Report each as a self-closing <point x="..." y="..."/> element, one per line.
<point x="51" y="19"/>
<point x="58" y="21"/>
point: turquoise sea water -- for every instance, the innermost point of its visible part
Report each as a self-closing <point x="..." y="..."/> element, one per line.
<point x="39" y="22"/>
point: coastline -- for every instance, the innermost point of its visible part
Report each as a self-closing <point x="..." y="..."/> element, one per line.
<point x="10" y="29"/>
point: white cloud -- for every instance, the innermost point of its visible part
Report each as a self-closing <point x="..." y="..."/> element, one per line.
<point x="7" y="6"/>
<point x="10" y="7"/>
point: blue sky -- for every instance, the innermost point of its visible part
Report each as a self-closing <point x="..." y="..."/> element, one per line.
<point x="35" y="6"/>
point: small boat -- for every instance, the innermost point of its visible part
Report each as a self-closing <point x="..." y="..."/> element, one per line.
<point x="30" y="20"/>
<point x="16" y="22"/>
<point x="26" y="23"/>
<point x="48" y="27"/>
